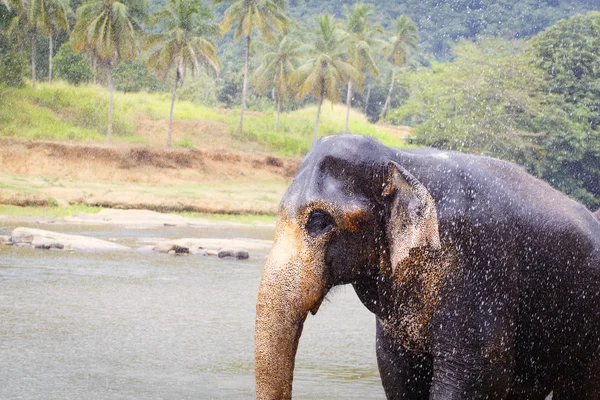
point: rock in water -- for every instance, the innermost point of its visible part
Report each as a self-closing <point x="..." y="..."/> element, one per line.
<point x="45" y="244"/>
<point x="171" y="248"/>
<point x="239" y="254"/>
<point x="41" y="239"/>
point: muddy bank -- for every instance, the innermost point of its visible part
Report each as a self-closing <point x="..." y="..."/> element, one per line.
<point x="140" y="164"/>
<point x="142" y="177"/>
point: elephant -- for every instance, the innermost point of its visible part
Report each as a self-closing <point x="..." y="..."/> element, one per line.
<point x="485" y="281"/>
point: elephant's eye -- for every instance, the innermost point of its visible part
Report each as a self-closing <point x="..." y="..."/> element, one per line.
<point x="319" y="222"/>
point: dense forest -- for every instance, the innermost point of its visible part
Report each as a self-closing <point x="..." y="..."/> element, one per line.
<point x="516" y="80"/>
<point x="442" y="22"/>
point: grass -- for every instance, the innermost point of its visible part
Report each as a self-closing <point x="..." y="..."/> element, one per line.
<point x="61" y="112"/>
<point x="249" y="219"/>
<point x="186" y="142"/>
<point x="50" y="212"/>
<point x="65" y="112"/>
<point x="234" y="196"/>
<point x="296" y="128"/>
<point x="55" y="212"/>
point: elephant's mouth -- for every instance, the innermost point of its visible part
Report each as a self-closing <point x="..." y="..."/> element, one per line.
<point x="315" y="307"/>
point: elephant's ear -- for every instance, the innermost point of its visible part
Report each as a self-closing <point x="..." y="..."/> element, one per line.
<point x="413" y="218"/>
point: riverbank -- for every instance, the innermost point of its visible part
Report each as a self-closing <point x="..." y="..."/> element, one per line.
<point x="53" y="153"/>
<point x="63" y="175"/>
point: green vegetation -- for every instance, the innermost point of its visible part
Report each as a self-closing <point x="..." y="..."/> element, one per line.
<point x="106" y="31"/>
<point x="534" y="102"/>
<point x="265" y="16"/>
<point x="398" y="52"/>
<point x="568" y="54"/>
<point x="443" y="22"/>
<point x="38" y="16"/>
<point x="280" y="59"/>
<point x="60" y="111"/>
<point x="56" y="211"/>
<point x="327" y="66"/>
<point x="293" y="137"/>
<point x="363" y="41"/>
<point x="512" y="80"/>
<point x="72" y="67"/>
<point x="47" y="212"/>
<point x="13" y="66"/>
<point x="134" y="76"/>
<point x="184" y="42"/>
<point x="250" y="219"/>
<point x="64" y="112"/>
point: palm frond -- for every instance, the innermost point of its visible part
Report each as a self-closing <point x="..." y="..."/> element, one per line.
<point x="185" y="43"/>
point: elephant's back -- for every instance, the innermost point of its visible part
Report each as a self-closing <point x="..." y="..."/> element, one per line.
<point x="483" y="191"/>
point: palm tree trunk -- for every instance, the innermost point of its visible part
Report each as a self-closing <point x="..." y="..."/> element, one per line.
<point x="110" y="104"/>
<point x="172" y="106"/>
<point x="278" y="113"/>
<point x="245" y="85"/>
<point x="367" y="99"/>
<point x="388" y="99"/>
<point x="50" y="59"/>
<point x="94" y="68"/>
<point x="317" y="119"/>
<point x="33" y="57"/>
<point x="348" y="105"/>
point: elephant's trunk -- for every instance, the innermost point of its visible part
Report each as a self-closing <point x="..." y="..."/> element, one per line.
<point x="289" y="289"/>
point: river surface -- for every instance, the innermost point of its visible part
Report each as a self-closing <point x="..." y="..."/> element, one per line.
<point x="143" y="326"/>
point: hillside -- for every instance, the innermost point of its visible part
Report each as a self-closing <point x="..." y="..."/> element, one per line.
<point x="65" y="112"/>
<point x="53" y="152"/>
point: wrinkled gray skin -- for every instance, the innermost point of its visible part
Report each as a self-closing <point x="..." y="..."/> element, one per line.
<point x="485" y="281"/>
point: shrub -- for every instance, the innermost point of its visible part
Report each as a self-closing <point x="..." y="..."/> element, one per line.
<point x="72" y="67"/>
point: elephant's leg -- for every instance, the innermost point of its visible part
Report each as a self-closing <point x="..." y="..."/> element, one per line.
<point x="462" y="377"/>
<point x="405" y="375"/>
<point x="474" y="332"/>
<point x="467" y="366"/>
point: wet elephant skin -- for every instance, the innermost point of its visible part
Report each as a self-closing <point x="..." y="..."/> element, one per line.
<point x="485" y="280"/>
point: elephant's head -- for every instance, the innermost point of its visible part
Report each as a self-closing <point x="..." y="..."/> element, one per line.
<point x="349" y="213"/>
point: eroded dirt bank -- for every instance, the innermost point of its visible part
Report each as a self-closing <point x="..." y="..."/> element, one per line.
<point x="136" y="177"/>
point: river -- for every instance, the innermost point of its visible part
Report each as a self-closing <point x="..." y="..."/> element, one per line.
<point x="142" y="326"/>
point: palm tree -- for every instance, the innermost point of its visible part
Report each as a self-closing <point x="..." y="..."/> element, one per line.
<point x="405" y="40"/>
<point x="184" y="43"/>
<point x="54" y="19"/>
<point x="363" y="40"/>
<point x="265" y="15"/>
<point x="327" y="67"/>
<point x="279" y="63"/>
<point x="105" y="30"/>
<point x="34" y="16"/>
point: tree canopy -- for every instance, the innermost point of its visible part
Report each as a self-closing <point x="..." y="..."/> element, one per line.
<point x="520" y="81"/>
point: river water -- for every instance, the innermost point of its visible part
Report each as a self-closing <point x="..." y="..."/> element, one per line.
<point x="142" y="326"/>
